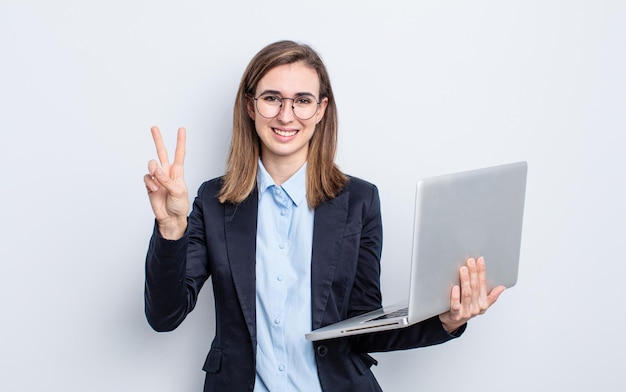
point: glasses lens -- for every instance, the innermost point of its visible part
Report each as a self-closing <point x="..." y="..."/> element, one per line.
<point x="268" y="105"/>
<point x="304" y="106"/>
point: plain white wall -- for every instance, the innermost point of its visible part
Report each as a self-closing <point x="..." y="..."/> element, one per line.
<point x="423" y="88"/>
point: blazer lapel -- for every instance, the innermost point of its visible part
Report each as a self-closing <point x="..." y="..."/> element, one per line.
<point x="328" y="231"/>
<point x="240" y="223"/>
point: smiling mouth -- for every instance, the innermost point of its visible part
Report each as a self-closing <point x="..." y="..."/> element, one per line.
<point x="284" y="133"/>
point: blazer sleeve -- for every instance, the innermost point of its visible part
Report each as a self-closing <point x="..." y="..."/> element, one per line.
<point x="366" y="294"/>
<point x="175" y="272"/>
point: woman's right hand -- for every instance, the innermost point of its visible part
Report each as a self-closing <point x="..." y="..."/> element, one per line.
<point x="166" y="187"/>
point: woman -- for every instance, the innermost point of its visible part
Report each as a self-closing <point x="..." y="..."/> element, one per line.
<point x="290" y="242"/>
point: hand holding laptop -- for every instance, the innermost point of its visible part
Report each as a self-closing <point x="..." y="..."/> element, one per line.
<point x="470" y="298"/>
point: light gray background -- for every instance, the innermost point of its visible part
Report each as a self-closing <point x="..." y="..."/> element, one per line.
<point x="423" y="88"/>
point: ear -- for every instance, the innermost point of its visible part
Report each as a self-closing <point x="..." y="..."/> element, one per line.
<point x="321" y="110"/>
<point x="250" y="106"/>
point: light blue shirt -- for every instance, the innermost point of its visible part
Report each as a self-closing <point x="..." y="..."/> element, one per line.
<point x="285" y="360"/>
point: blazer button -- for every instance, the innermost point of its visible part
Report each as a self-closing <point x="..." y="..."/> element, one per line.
<point x="322" y="350"/>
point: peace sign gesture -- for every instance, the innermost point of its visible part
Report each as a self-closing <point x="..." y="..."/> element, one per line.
<point x="166" y="187"/>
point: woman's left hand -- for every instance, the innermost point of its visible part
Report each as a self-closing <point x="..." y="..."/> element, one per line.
<point x="470" y="298"/>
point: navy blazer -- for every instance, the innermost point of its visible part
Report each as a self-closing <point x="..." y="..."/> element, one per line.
<point x="220" y="243"/>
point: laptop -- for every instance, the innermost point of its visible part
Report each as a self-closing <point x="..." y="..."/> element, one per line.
<point x="457" y="216"/>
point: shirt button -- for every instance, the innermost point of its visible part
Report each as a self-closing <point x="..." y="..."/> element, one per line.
<point x="282" y="246"/>
<point x="322" y="350"/>
<point x="280" y="278"/>
<point x="278" y="191"/>
<point x="283" y="212"/>
<point x="281" y="368"/>
<point x="276" y="321"/>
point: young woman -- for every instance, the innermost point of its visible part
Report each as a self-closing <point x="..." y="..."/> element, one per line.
<point x="290" y="242"/>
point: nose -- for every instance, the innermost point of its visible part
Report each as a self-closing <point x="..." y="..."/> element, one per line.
<point x="286" y="113"/>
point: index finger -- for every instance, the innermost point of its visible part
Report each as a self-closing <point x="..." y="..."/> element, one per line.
<point x="160" y="146"/>
<point x="179" y="154"/>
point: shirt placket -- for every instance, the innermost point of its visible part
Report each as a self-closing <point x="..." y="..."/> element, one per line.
<point x="283" y="220"/>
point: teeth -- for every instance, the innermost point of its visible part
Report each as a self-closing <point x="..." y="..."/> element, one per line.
<point x="285" y="133"/>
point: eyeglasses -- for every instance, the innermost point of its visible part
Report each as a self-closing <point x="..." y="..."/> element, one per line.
<point x="269" y="105"/>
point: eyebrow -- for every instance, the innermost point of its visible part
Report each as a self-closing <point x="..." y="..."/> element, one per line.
<point x="276" y="92"/>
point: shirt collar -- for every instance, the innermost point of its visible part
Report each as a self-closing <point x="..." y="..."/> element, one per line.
<point x="295" y="186"/>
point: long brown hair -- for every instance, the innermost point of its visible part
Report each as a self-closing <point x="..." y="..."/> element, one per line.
<point x="324" y="180"/>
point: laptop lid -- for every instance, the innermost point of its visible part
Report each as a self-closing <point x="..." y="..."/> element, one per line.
<point x="457" y="216"/>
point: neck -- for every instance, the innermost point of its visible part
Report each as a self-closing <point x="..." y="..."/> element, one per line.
<point x="281" y="170"/>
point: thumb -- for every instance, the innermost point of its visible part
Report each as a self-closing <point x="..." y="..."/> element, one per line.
<point x="494" y="294"/>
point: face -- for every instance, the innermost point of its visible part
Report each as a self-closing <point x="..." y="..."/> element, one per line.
<point x="285" y="138"/>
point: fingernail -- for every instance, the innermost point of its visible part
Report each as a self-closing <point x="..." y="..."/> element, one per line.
<point x="471" y="262"/>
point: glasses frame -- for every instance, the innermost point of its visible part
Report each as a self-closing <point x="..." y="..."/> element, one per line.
<point x="293" y="106"/>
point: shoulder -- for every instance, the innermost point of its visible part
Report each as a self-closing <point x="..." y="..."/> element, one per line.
<point x="209" y="190"/>
<point x="360" y="195"/>
<point x="360" y="187"/>
<point x="211" y="186"/>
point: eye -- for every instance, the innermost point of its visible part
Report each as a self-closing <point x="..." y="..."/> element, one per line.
<point x="270" y="98"/>
<point x="303" y="101"/>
